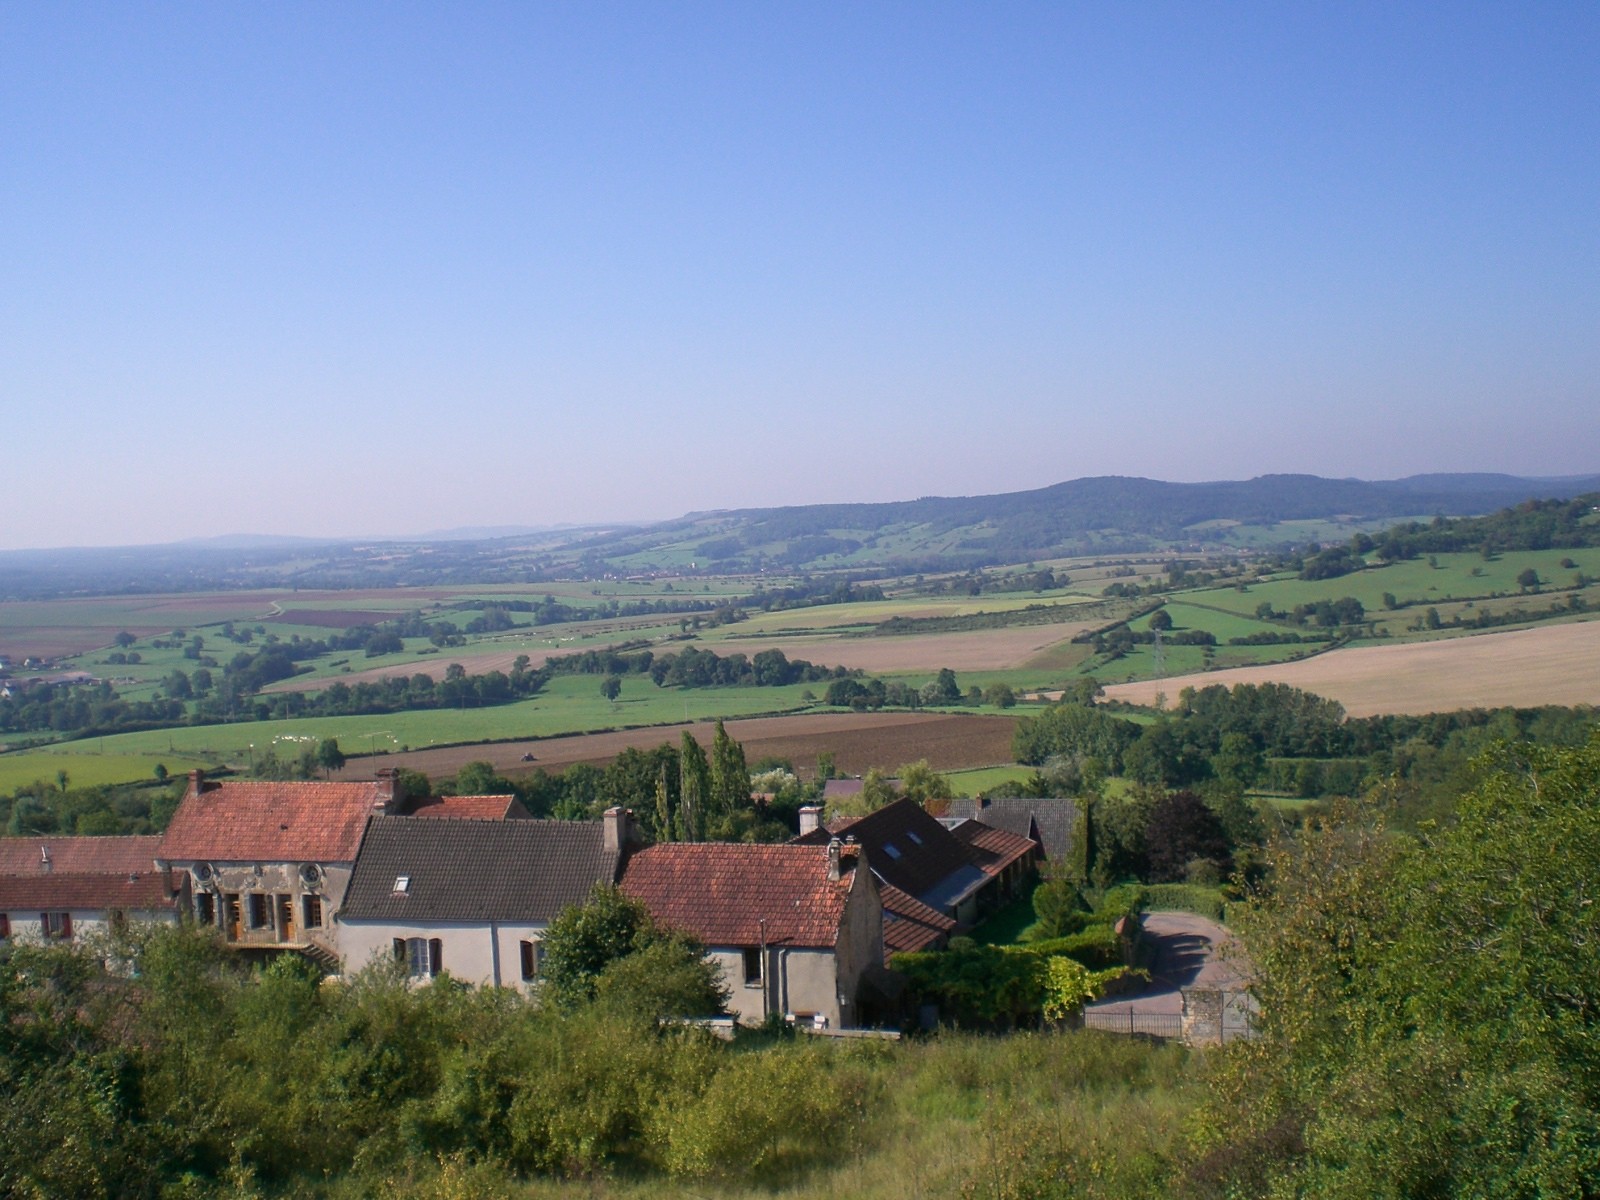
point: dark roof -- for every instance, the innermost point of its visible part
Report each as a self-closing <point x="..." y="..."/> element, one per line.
<point x="720" y="892"/>
<point x="909" y="924"/>
<point x="273" y="822"/>
<point x="470" y="869"/>
<point x="494" y="808"/>
<point x="1054" y="820"/>
<point x="906" y="847"/>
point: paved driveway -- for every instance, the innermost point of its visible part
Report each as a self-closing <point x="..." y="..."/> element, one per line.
<point x="1183" y="951"/>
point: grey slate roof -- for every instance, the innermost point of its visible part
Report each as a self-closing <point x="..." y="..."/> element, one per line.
<point x="475" y="870"/>
<point x="1053" y="818"/>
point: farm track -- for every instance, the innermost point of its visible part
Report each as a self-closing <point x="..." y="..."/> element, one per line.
<point x="858" y="742"/>
<point x="1549" y="664"/>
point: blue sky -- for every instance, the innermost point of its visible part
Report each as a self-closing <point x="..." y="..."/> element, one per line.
<point x="357" y="269"/>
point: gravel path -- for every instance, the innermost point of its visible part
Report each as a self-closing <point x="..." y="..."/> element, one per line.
<point x="1184" y="951"/>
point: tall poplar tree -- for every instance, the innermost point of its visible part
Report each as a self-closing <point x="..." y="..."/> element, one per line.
<point x="730" y="777"/>
<point x="694" y="789"/>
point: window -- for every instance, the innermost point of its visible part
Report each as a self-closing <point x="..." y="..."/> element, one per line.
<point x="56" y="924"/>
<point x="888" y="848"/>
<point x="205" y="908"/>
<point x="311" y="911"/>
<point x="402" y="884"/>
<point x="532" y="960"/>
<point x="752" y="967"/>
<point x="259" y="915"/>
<point x="914" y="837"/>
<point x="422" y="957"/>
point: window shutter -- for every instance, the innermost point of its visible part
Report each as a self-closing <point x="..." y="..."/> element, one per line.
<point x="399" y="950"/>
<point x="66" y="925"/>
<point x="529" y="962"/>
<point x="5" y="926"/>
<point x="435" y="956"/>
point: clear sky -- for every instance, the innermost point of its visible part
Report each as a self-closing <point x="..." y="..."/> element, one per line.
<point x="353" y="269"/>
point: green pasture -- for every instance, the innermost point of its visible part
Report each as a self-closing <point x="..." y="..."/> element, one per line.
<point x="983" y="779"/>
<point x="1139" y="663"/>
<point x="1415" y="583"/>
<point x="89" y="767"/>
<point x="570" y="704"/>
<point x="1223" y="625"/>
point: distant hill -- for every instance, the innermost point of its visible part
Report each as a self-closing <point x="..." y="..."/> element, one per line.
<point x="1105" y="515"/>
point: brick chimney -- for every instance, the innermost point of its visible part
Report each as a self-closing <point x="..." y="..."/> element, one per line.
<point x="835" y="853"/>
<point x="197" y="781"/>
<point x="810" y="819"/>
<point x="618" y="829"/>
<point x="392" y="797"/>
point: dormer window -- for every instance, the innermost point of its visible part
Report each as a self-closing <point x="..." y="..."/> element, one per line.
<point x="402" y="884"/>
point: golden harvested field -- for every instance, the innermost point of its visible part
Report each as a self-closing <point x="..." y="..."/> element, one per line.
<point x="978" y="650"/>
<point x="858" y="741"/>
<point x="1552" y="664"/>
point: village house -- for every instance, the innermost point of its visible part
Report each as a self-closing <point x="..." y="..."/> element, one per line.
<point x="795" y="929"/>
<point x="70" y="888"/>
<point x="267" y="863"/>
<point x="1053" y="823"/>
<point x="472" y="896"/>
<point x="958" y="877"/>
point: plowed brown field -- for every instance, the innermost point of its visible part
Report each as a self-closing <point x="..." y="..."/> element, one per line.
<point x="1551" y="664"/>
<point x="858" y="741"/>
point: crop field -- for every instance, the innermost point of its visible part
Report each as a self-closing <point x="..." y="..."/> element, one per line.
<point x="967" y="651"/>
<point x="1548" y="664"/>
<point x="858" y="742"/>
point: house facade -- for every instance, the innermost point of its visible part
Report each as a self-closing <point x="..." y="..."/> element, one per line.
<point x="471" y="896"/>
<point x="268" y="863"/>
<point x="794" y="929"/>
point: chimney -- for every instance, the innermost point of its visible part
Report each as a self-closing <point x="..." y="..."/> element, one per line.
<point x="618" y="829"/>
<point x="810" y="819"/>
<point x="392" y="796"/>
<point x="197" y="781"/>
<point x="835" y="850"/>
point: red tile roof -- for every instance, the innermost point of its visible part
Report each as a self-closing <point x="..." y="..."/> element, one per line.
<point x="720" y="892"/>
<point x="482" y="808"/>
<point x="78" y="855"/>
<point x="909" y="924"/>
<point x="273" y="822"/>
<point x="142" y="892"/>
<point x="993" y="850"/>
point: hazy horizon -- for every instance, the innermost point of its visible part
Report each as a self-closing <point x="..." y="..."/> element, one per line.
<point x="373" y="271"/>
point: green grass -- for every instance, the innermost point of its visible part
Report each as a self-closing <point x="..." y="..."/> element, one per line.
<point x="1008" y="926"/>
<point x="569" y="704"/>
<point x="983" y="779"/>
<point x="88" y="768"/>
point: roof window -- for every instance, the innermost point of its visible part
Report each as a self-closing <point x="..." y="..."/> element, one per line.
<point x="402" y="884"/>
<point x="888" y="848"/>
<point x="913" y="837"/>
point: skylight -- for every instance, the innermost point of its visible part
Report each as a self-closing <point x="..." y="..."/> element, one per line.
<point x="913" y="837"/>
<point x="889" y="849"/>
<point x="402" y="884"/>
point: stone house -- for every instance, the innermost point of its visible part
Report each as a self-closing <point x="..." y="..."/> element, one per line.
<point x="267" y="863"/>
<point x="471" y="896"/>
<point x="795" y="929"/>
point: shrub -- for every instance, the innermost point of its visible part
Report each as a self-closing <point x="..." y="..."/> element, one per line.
<point x="1186" y="897"/>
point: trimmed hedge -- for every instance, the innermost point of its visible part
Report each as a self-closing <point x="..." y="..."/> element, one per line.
<point x="1186" y="897"/>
